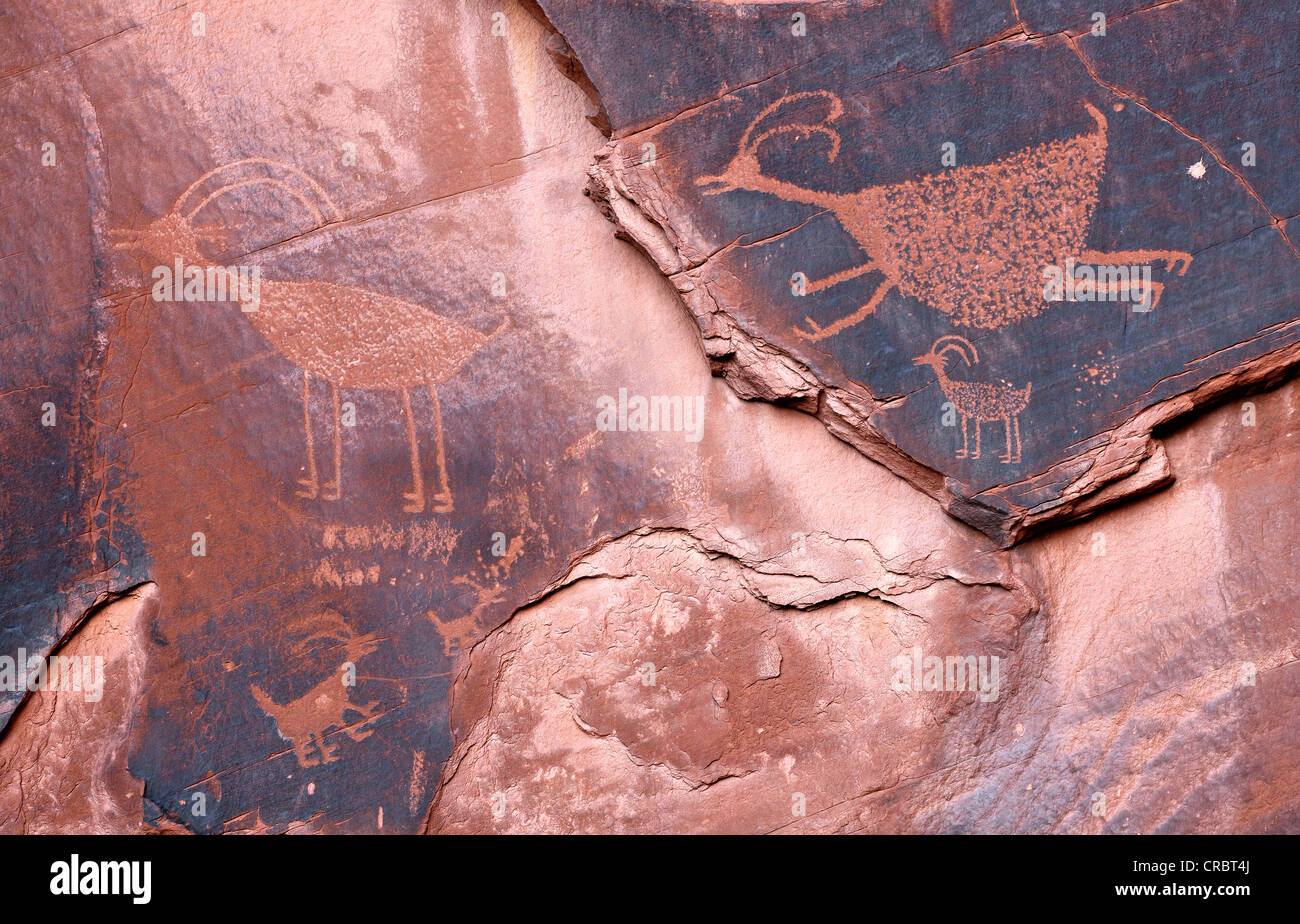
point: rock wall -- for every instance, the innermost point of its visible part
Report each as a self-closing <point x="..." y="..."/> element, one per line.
<point x="396" y="552"/>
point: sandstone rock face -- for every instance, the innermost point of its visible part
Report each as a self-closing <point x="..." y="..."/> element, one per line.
<point x="877" y="213"/>
<point x="1146" y="687"/>
<point x="64" y="759"/>
<point x="494" y="516"/>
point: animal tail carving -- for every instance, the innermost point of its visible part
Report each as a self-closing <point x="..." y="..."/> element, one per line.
<point x="265" y="702"/>
<point x="1097" y="116"/>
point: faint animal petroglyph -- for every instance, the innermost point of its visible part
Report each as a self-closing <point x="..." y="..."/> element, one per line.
<point x="970" y="241"/>
<point x="350" y="337"/>
<point x="306" y="721"/>
<point x="490" y="589"/>
<point x="978" y="401"/>
<point x="432" y="541"/>
<point x="328" y="573"/>
<point x="462" y="632"/>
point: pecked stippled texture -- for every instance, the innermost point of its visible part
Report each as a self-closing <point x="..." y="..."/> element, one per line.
<point x="343" y="585"/>
<point x="831" y="197"/>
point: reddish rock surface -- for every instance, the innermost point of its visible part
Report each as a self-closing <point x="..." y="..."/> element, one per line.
<point x="861" y="204"/>
<point x="383" y="555"/>
<point x="1148" y="684"/>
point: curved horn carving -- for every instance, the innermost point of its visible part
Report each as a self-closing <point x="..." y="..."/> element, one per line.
<point x="964" y="348"/>
<point x="318" y="203"/>
<point x="821" y="127"/>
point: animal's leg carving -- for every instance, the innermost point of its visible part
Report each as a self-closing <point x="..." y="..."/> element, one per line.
<point x="360" y="733"/>
<point x="1174" y="260"/>
<point x="976" y="454"/>
<point x="1151" y="297"/>
<point x="1015" y="427"/>
<point x="836" y="278"/>
<point x="416" y="497"/>
<point x="1007" y="456"/>
<point x="1156" y="289"/>
<point x="1120" y="289"/>
<point x="442" y="500"/>
<point x="816" y="332"/>
<point x="362" y="730"/>
<point x="334" y="488"/>
<point x="311" y="484"/>
<point x="965" y="440"/>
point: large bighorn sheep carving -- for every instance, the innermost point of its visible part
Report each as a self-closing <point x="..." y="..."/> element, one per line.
<point x="350" y="337"/>
<point x="972" y="241"/>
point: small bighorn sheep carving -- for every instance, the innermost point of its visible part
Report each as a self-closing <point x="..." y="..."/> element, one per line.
<point x="978" y="401"/>
<point x="350" y="337"/>
<point x="306" y="721"/>
<point x="465" y="630"/>
<point x="971" y="241"/>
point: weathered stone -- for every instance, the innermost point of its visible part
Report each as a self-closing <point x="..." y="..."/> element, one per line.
<point x="63" y="762"/>
<point x="608" y="619"/>
<point x="878" y="215"/>
<point x="1148" y="690"/>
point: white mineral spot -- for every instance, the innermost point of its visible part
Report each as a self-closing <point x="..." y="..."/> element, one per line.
<point x="1197" y="170"/>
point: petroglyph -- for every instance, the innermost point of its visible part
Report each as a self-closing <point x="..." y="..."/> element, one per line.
<point x="970" y="241"/>
<point x="350" y="337"/>
<point x="978" y="401"/>
<point x="306" y="721"/>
